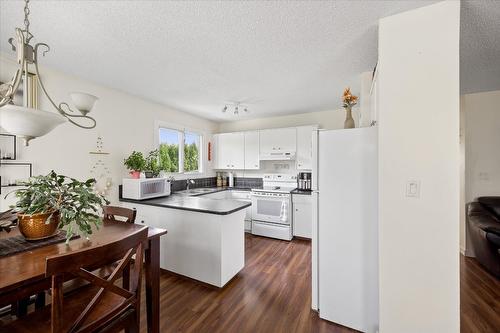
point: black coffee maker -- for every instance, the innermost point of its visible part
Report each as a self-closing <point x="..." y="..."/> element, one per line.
<point x="304" y="181"/>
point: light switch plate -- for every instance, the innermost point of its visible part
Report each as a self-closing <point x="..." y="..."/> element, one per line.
<point x="413" y="189"/>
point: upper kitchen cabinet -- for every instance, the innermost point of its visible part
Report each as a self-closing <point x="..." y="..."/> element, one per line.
<point x="252" y="150"/>
<point x="279" y="139"/>
<point x="230" y="150"/>
<point x="304" y="147"/>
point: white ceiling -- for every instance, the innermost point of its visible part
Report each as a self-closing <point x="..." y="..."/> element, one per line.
<point x="480" y="46"/>
<point x="279" y="57"/>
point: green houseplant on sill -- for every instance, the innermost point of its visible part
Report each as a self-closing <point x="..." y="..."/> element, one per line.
<point x="135" y="163"/>
<point x="152" y="167"/>
<point x="52" y="202"/>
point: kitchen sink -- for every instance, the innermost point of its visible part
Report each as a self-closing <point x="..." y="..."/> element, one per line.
<point x="195" y="191"/>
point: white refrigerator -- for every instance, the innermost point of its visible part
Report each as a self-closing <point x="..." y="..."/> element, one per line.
<point x="345" y="227"/>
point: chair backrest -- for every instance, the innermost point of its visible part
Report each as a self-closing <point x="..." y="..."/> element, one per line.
<point x="80" y="263"/>
<point x="112" y="212"/>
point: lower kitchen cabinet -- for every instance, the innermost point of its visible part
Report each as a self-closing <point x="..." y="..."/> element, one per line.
<point x="302" y="215"/>
<point x="247" y="197"/>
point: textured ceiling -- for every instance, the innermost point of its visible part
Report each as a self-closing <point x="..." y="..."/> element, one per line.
<point x="278" y="57"/>
<point x="480" y="46"/>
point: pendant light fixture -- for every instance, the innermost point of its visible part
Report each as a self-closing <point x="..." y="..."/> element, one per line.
<point x="26" y="122"/>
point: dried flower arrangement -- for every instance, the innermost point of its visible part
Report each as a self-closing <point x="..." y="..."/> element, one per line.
<point x="348" y="99"/>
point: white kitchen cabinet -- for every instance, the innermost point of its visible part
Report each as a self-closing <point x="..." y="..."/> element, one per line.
<point x="230" y="150"/>
<point x="243" y="196"/>
<point x="278" y="139"/>
<point x="304" y="147"/>
<point x="252" y="161"/>
<point x="302" y="215"/>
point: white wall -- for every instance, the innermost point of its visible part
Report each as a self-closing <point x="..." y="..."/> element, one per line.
<point x="418" y="140"/>
<point x="125" y="123"/>
<point x="462" y="206"/>
<point x="332" y="119"/>
<point x="481" y="127"/>
<point x="482" y="137"/>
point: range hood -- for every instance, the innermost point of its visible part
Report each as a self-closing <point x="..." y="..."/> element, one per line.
<point x="277" y="156"/>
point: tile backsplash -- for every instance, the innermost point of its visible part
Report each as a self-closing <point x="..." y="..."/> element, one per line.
<point x="181" y="184"/>
<point x="247" y="182"/>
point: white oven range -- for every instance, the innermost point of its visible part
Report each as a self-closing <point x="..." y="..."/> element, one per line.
<point x="271" y="207"/>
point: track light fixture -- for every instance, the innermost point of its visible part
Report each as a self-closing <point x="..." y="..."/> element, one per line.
<point x="235" y="106"/>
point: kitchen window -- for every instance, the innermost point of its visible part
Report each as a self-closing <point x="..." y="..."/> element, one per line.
<point x="180" y="150"/>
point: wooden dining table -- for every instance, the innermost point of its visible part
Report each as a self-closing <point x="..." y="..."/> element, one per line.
<point x="23" y="274"/>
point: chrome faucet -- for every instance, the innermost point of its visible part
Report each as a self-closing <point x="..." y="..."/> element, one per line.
<point x="189" y="182"/>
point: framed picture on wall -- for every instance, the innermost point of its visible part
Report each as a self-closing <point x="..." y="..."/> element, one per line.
<point x="8" y="147"/>
<point x="14" y="173"/>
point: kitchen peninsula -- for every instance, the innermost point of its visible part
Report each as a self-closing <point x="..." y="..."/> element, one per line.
<point x="205" y="239"/>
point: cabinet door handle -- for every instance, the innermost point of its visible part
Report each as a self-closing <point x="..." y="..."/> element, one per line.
<point x="142" y="221"/>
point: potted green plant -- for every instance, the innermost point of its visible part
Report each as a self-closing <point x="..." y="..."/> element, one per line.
<point x="153" y="167"/>
<point x="52" y="202"/>
<point x="135" y="163"/>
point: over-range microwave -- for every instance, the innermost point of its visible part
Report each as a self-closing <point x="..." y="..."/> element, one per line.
<point x="145" y="188"/>
<point x="277" y="156"/>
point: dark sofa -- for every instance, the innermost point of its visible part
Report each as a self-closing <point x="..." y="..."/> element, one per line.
<point x="483" y="229"/>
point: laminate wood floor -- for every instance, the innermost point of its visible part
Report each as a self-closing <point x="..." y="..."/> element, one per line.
<point x="271" y="294"/>
<point x="479" y="298"/>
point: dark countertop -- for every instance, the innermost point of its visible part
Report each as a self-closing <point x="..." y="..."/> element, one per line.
<point x="303" y="192"/>
<point x="196" y="203"/>
<point x="215" y="190"/>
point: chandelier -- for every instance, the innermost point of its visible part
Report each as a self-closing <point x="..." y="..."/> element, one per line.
<point x="26" y="122"/>
<point x="235" y="108"/>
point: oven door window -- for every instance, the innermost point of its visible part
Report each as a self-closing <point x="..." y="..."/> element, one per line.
<point x="271" y="210"/>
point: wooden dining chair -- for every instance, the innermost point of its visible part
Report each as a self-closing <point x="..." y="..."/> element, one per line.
<point x="112" y="212"/>
<point x="101" y="306"/>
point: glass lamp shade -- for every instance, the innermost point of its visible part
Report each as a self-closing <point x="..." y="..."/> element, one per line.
<point x="83" y="102"/>
<point x="28" y="123"/>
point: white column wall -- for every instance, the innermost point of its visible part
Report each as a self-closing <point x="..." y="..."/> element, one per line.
<point x="419" y="140"/>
